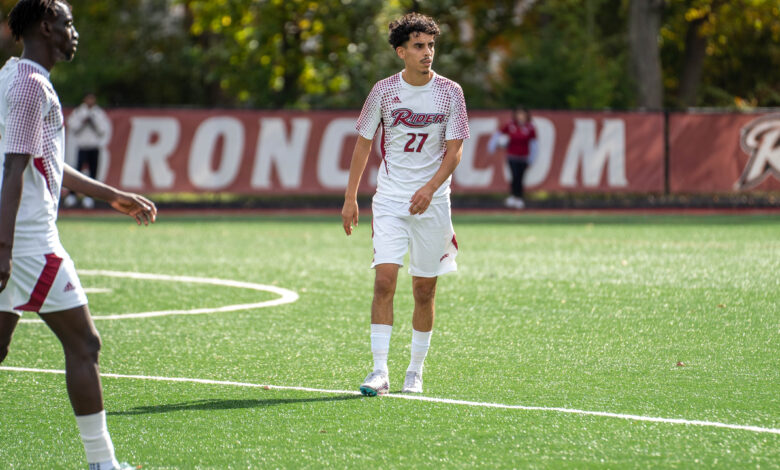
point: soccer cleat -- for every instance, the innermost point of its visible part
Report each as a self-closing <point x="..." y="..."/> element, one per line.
<point x="412" y="382"/>
<point x="513" y="202"/>
<point x="377" y="383"/>
<point x="121" y="466"/>
<point x="127" y="466"/>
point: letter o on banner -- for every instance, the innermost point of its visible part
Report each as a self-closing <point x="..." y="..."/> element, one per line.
<point x="202" y="153"/>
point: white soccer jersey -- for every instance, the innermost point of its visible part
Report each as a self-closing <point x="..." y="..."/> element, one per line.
<point x="31" y="123"/>
<point x="417" y="122"/>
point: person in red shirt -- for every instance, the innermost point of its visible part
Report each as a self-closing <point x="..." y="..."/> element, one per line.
<point x="521" y="146"/>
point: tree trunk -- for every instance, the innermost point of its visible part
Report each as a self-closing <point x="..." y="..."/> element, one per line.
<point x="644" y="23"/>
<point x="695" y="51"/>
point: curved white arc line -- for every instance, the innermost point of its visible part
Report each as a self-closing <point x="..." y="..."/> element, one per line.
<point x="286" y="296"/>
<point x="97" y="290"/>
<point x="285" y="293"/>
<point x="448" y="401"/>
<point x="197" y="311"/>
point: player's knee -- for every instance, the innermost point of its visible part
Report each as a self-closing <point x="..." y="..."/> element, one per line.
<point x="424" y="292"/>
<point x="87" y="348"/>
<point x="384" y="286"/>
<point x="92" y="346"/>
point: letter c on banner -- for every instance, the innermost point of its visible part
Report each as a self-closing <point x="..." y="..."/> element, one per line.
<point x="545" y="137"/>
<point x="329" y="173"/>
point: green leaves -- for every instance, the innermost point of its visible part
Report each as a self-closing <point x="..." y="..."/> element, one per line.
<point x="315" y="54"/>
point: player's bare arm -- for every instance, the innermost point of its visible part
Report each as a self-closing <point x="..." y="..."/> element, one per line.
<point x="136" y="206"/>
<point x="13" y="168"/>
<point x="422" y="198"/>
<point x="349" y="213"/>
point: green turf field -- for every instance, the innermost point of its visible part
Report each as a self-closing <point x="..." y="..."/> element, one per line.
<point x="586" y="313"/>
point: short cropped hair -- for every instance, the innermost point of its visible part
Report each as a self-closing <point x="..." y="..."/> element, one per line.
<point x="402" y="28"/>
<point x="28" y="13"/>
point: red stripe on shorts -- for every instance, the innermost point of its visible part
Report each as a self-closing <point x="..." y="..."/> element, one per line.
<point x="42" y="287"/>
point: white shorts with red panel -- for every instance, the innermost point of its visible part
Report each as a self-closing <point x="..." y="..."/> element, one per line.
<point x="43" y="284"/>
<point x="428" y="237"/>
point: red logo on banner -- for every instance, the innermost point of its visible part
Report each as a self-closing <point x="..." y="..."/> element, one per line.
<point x="760" y="139"/>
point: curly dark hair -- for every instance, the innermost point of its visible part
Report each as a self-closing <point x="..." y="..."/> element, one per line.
<point x="402" y="28"/>
<point x="27" y="13"/>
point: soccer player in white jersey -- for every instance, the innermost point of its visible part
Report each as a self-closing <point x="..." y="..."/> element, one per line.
<point x="42" y="277"/>
<point x="423" y="122"/>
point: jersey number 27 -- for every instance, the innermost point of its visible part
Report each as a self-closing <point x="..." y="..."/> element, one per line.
<point x="412" y="138"/>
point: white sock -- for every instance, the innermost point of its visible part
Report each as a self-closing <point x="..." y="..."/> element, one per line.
<point x="380" y="344"/>
<point x="421" y="340"/>
<point x="97" y="442"/>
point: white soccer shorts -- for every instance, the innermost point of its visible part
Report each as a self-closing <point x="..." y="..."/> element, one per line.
<point x="429" y="237"/>
<point x="42" y="284"/>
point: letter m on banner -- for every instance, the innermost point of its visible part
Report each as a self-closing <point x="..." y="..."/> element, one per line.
<point x="590" y="154"/>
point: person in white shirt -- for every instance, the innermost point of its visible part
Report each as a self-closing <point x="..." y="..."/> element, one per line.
<point x="423" y="122"/>
<point x="36" y="273"/>
<point x="89" y="127"/>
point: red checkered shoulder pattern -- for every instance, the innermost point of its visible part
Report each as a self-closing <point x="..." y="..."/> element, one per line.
<point x="450" y="94"/>
<point x="380" y="99"/>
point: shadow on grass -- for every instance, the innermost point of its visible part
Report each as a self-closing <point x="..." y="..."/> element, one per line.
<point x="215" y="404"/>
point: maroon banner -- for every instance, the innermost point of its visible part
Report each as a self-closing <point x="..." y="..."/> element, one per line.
<point x="286" y="152"/>
<point x="578" y="152"/>
<point x="711" y="153"/>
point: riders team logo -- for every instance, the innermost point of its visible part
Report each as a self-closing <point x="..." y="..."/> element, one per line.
<point x="761" y="140"/>
<point x="409" y="118"/>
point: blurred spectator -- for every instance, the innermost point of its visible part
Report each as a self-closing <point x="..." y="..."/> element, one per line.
<point x="519" y="138"/>
<point x="89" y="127"/>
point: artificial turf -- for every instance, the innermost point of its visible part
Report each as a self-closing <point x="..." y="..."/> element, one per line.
<point x="585" y="312"/>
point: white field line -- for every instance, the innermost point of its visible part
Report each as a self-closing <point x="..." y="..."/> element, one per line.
<point x="285" y="296"/>
<point x="449" y="401"/>
<point x="97" y="290"/>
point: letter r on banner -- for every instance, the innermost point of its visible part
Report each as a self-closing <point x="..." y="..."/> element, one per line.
<point x="151" y="142"/>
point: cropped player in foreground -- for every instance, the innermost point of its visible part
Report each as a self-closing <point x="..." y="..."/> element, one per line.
<point x="42" y="277"/>
<point x="423" y="124"/>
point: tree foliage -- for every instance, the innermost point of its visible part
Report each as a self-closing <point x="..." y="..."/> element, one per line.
<point x="741" y="65"/>
<point x="571" y="54"/>
<point x="322" y="54"/>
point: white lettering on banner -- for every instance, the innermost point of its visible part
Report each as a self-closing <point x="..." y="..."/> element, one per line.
<point x="466" y="174"/>
<point x="204" y="144"/>
<point x="545" y="138"/>
<point x="286" y="152"/>
<point x="329" y="172"/>
<point x="611" y="148"/>
<point x="761" y="140"/>
<point x="152" y="141"/>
